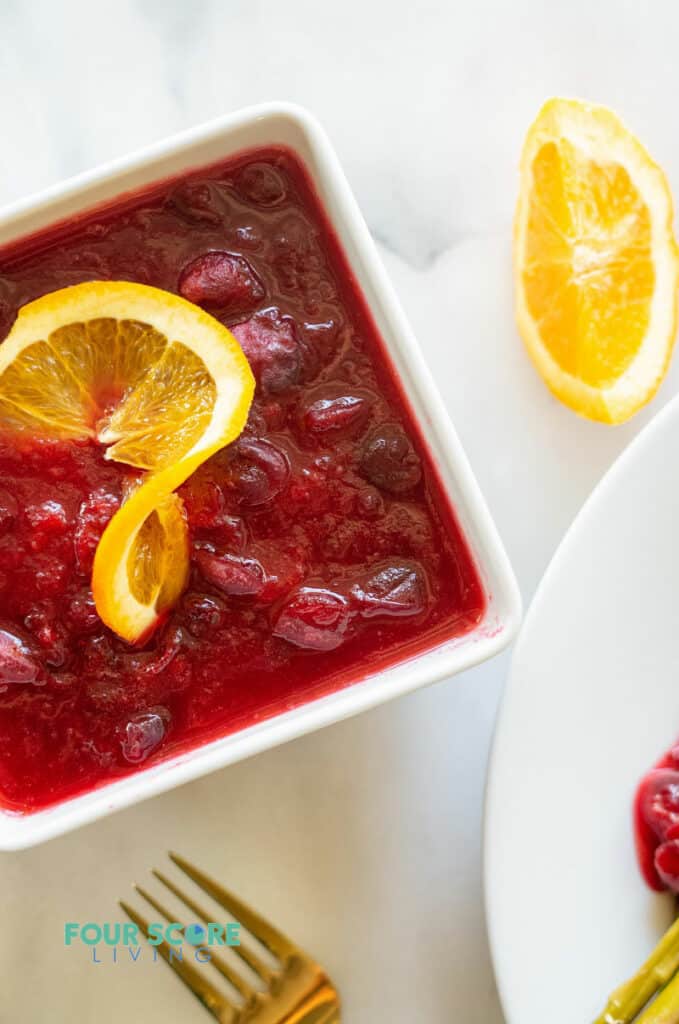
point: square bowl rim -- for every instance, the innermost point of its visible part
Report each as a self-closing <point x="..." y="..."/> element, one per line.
<point x="19" y="831"/>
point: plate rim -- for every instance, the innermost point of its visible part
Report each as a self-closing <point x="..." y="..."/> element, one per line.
<point x="644" y="439"/>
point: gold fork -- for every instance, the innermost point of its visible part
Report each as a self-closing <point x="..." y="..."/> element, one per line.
<point x="296" y="990"/>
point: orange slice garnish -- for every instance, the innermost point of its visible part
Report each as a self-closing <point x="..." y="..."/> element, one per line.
<point x="595" y="259"/>
<point x="159" y="382"/>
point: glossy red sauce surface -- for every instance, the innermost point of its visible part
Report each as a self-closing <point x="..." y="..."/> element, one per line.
<point x="322" y="546"/>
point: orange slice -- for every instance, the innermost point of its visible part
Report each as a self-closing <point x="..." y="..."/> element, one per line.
<point x="148" y="566"/>
<point x="158" y="381"/>
<point x="595" y="260"/>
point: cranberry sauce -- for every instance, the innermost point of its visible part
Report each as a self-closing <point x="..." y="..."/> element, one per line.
<point x="656" y="823"/>
<point x="322" y="546"/>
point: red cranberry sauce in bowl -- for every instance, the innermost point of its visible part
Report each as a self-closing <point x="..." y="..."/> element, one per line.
<point x="322" y="546"/>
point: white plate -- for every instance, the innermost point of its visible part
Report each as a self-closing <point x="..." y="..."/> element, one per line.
<point x="592" y="702"/>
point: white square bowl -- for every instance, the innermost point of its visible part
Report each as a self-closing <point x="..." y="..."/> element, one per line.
<point x="290" y="126"/>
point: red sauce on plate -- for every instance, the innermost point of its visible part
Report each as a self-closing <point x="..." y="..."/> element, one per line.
<point x="656" y="823"/>
<point x="323" y="548"/>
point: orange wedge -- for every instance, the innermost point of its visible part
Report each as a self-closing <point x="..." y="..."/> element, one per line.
<point x="141" y="564"/>
<point x="595" y="260"/>
<point x="159" y="382"/>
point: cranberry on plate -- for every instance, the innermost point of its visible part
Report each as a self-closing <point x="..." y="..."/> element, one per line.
<point x="657" y="826"/>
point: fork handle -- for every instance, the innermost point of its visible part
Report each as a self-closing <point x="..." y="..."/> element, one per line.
<point x="320" y="1008"/>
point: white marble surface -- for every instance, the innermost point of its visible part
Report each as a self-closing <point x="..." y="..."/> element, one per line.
<point x="362" y="840"/>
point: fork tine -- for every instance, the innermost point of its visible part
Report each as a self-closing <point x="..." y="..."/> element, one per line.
<point x="274" y="940"/>
<point x="243" y="950"/>
<point x="209" y="996"/>
<point x="225" y="969"/>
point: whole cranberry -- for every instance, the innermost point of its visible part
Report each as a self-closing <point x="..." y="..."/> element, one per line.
<point x="270" y="344"/>
<point x="82" y="614"/>
<point x="143" y="733"/>
<point x="235" y="575"/>
<point x="18" y="663"/>
<point x="370" y="501"/>
<point x="338" y="415"/>
<point x="262" y="184"/>
<point x="259" y="471"/>
<point x="313" y="618"/>
<point x="390" y="461"/>
<point x="197" y="201"/>
<point x="222" y="281"/>
<point x="392" y="590"/>
<point x="658" y="800"/>
<point x="204" y="502"/>
<point x="202" y="614"/>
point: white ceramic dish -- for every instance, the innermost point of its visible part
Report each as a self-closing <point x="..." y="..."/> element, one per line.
<point x="283" y="124"/>
<point x="592" y="702"/>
